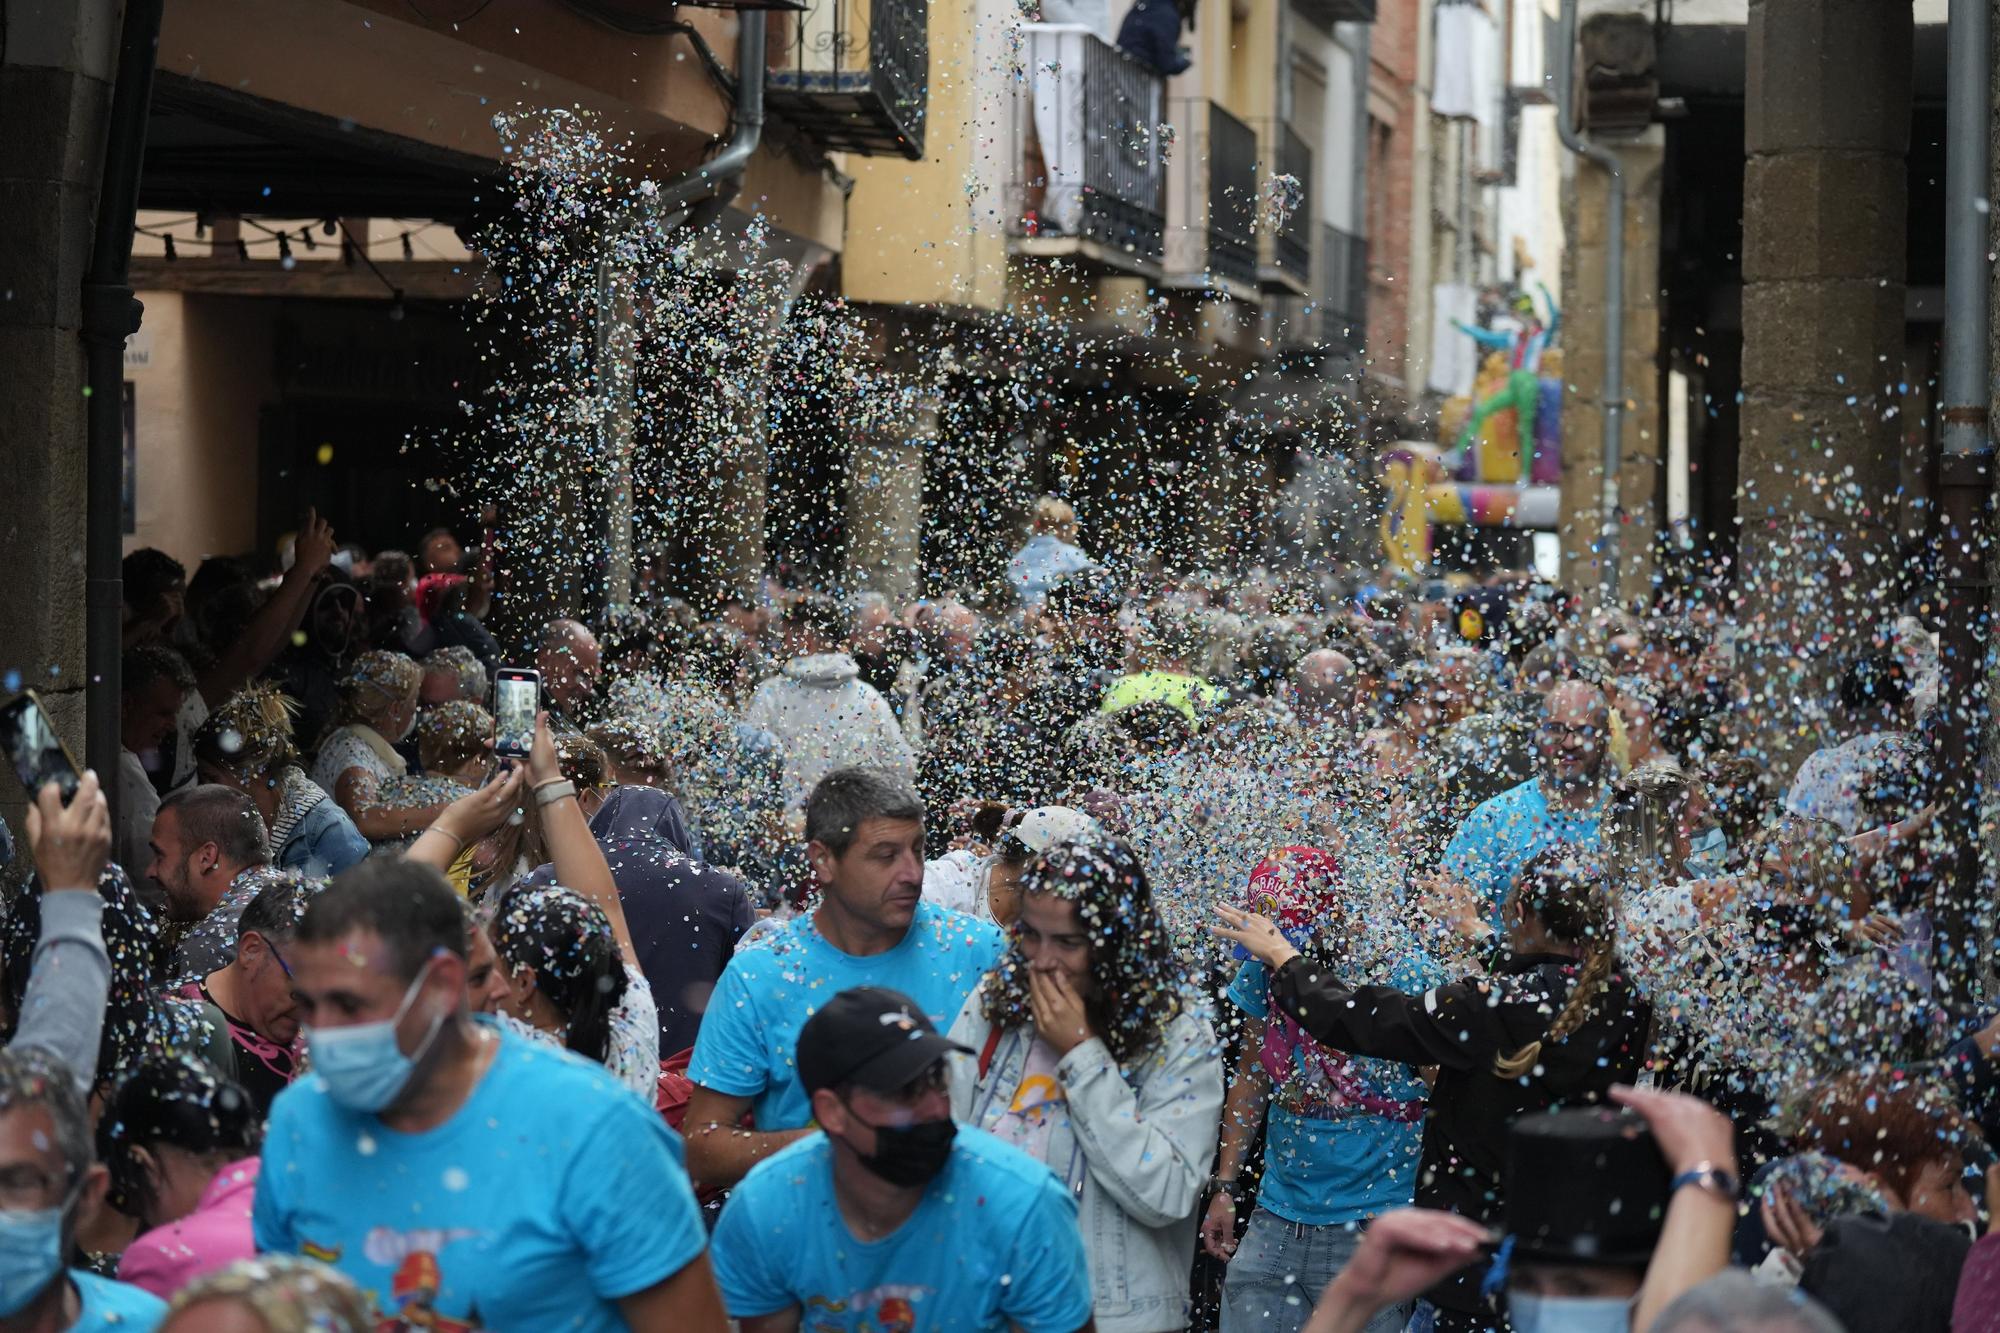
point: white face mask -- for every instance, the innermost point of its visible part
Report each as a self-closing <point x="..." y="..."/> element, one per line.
<point x="1569" y="1314"/>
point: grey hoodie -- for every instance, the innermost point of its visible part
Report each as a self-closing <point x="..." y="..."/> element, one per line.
<point x="826" y="717"/>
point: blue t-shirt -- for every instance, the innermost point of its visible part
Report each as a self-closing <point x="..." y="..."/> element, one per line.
<point x="750" y="1034"/>
<point x="1325" y="1163"/>
<point x="1505" y="833"/>
<point x="994" y="1242"/>
<point x="114" y="1307"/>
<point x="551" y="1194"/>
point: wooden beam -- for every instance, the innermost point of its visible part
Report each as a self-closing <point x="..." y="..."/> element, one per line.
<point x="422" y="279"/>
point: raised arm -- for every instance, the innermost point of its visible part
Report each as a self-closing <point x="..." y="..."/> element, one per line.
<point x="267" y="631"/>
<point x="62" y="1010"/>
<point x="579" y="861"/>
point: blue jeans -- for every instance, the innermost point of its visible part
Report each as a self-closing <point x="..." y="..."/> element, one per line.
<point x="1279" y="1270"/>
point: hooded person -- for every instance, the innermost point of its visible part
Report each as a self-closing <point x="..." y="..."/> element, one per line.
<point x="824" y="716"/>
<point x="685" y="917"/>
<point x="311" y="669"/>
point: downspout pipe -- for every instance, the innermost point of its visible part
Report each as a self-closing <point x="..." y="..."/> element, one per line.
<point x="1614" y="295"/>
<point x="1965" y="473"/>
<point x="110" y="315"/>
<point x="707" y="189"/>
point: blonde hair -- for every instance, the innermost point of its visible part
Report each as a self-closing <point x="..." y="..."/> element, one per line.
<point x="250" y="735"/>
<point x="1569" y="891"/>
<point x="1054" y="515"/>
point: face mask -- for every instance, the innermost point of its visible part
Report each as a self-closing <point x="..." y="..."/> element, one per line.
<point x="1568" y="1314"/>
<point x="1706" y="853"/>
<point x="31" y="1253"/>
<point x="363" y="1067"/>
<point x="910" y="1155"/>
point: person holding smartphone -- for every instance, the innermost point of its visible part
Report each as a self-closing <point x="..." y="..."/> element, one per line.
<point x="62" y="1011"/>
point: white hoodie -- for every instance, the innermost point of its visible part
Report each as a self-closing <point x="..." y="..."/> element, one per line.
<point x="826" y="717"/>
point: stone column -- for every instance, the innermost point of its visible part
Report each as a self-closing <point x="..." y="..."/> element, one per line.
<point x="55" y="99"/>
<point x="1641" y="484"/>
<point x="885" y="503"/>
<point x="1827" y="122"/>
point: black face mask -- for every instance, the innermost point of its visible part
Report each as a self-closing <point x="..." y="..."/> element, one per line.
<point x="910" y="1155"/>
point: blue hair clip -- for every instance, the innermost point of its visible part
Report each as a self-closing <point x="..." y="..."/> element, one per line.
<point x="1496" y="1275"/>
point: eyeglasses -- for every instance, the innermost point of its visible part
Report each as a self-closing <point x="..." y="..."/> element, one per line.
<point x="937" y="1078"/>
<point x="26" y="1189"/>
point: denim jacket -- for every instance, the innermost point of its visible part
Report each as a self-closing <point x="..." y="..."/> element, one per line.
<point x="323" y="842"/>
<point x="1136" y="1151"/>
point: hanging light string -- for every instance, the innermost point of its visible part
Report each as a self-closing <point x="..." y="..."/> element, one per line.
<point x="167" y="234"/>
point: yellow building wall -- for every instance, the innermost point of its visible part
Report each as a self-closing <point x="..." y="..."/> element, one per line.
<point x="934" y="232"/>
<point x="201" y="371"/>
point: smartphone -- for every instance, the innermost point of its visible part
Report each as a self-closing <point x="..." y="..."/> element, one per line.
<point x="517" y="693"/>
<point x="38" y="753"/>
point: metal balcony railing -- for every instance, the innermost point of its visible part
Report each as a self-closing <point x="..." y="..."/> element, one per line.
<point x="1343" y="288"/>
<point x="1232" y="197"/>
<point x="1284" y="251"/>
<point x="1089" y="164"/>
<point x="855" y="75"/>
<point x="1213" y="238"/>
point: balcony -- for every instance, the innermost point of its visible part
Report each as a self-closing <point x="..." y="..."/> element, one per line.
<point x="1212" y="243"/>
<point x="1284" y="251"/>
<point x="855" y="75"/>
<point x="1090" y="172"/>
<point x="1343" y="288"/>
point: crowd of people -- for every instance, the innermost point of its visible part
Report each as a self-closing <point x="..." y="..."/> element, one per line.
<point x="1105" y="948"/>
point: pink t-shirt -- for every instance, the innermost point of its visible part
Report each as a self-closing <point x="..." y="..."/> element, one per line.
<point x="215" y="1235"/>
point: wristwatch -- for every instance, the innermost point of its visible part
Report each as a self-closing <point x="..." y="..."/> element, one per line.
<point x="1710" y="1177"/>
<point x="551" y="792"/>
<point x="1231" y="1187"/>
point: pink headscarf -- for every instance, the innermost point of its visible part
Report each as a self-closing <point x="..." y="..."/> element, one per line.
<point x="1298" y="887"/>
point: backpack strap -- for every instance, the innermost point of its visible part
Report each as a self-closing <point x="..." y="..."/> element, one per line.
<point x="986" y="1052"/>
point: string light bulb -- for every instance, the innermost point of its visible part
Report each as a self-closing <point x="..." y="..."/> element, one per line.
<point x="169" y="239"/>
<point x="242" y="249"/>
<point x="285" y="251"/>
<point x="409" y="251"/>
<point x="327" y="227"/>
<point x="306" y="235"/>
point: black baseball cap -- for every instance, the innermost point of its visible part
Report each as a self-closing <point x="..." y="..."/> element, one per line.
<point x="870" y="1036"/>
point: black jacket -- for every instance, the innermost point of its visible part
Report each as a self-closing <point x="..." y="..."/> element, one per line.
<point x="1461" y="1028"/>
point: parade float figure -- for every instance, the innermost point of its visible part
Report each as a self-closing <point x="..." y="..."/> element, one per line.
<point x="1503" y="472"/>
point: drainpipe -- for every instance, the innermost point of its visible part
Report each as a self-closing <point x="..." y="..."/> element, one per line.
<point x="1614" y="292"/>
<point x="1965" y="474"/>
<point x="707" y="189"/>
<point x="110" y="315"/>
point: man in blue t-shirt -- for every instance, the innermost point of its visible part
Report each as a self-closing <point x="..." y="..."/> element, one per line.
<point x="865" y="839"/>
<point x="461" y="1176"/>
<point x="1563" y="802"/>
<point x="1340" y="1149"/>
<point x="894" y="1218"/>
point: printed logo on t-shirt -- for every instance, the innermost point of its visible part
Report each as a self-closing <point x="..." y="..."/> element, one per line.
<point x="416" y="1281"/>
<point x="891" y="1308"/>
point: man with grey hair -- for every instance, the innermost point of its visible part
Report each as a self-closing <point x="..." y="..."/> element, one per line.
<point x="1735" y="1302"/>
<point x="206" y="841"/>
<point x="50" y="1183"/>
<point x="872" y="927"/>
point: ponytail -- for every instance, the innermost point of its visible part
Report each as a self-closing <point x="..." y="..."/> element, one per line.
<point x="1569" y="893"/>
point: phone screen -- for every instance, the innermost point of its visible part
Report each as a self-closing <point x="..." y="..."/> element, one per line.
<point x="514" y="702"/>
<point x="38" y="753"/>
